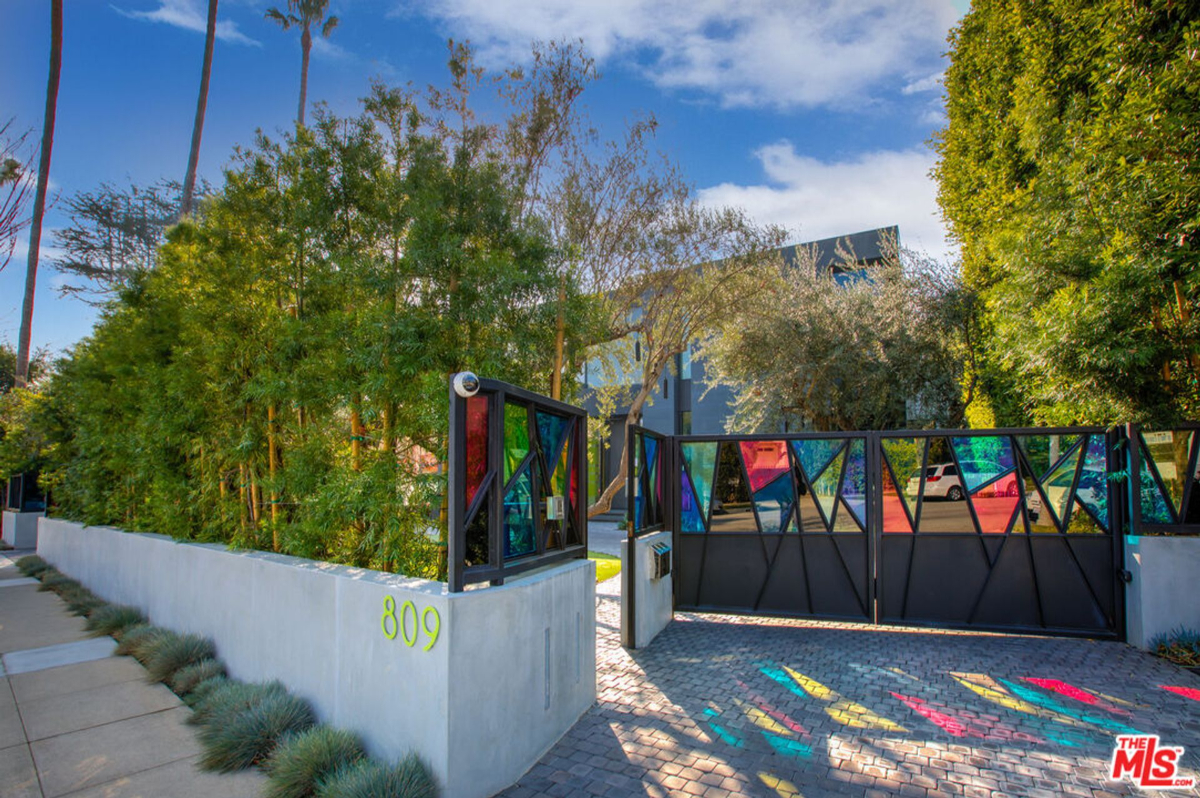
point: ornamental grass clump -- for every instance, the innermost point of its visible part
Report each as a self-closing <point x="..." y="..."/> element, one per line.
<point x="80" y="600"/>
<point x="135" y="639"/>
<point x="173" y="652"/>
<point x="201" y="691"/>
<point x="245" y="738"/>
<point x="112" y="619"/>
<point x="231" y="697"/>
<point x="1182" y="646"/>
<point x="53" y="579"/>
<point x="409" y="778"/>
<point x="32" y="565"/>
<point x="186" y="679"/>
<point x="303" y="761"/>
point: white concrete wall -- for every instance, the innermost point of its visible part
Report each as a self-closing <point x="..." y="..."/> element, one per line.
<point x="1165" y="591"/>
<point x="654" y="601"/>
<point x="19" y="530"/>
<point x="474" y="706"/>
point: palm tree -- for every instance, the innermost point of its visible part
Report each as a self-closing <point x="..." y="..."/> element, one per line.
<point x="304" y="14"/>
<point x="39" y="198"/>
<point x="189" y="180"/>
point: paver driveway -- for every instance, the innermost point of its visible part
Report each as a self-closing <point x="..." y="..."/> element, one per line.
<point x="722" y="706"/>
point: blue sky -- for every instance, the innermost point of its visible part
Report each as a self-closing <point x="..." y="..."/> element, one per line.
<point x="814" y="115"/>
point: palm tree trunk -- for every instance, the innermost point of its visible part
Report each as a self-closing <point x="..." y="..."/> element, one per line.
<point x="39" y="199"/>
<point x="305" y="49"/>
<point x="189" y="180"/>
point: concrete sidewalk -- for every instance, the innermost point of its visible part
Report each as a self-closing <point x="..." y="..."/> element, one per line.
<point x="77" y="721"/>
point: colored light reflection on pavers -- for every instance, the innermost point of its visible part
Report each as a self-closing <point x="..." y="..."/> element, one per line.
<point x="1071" y="691"/>
<point x="1186" y="692"/>
<point x="778" y="676"/>
<point x="960" y="726"/>
<point x="1046" y="701"/>
<point x="726" y="736"/>
<point x="768" y="708"/>
<point x="844" y="711"/>
<point x="781" y="786"/>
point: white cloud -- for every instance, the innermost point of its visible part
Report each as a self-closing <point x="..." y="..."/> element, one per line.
<point x="188" y="15"/>
<point x="757" y="53"/>
<point x="323" y="48"/>
<point x="819" y="199"/>
<point x="929" y="83"/>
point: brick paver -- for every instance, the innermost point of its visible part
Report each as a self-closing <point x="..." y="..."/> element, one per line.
<point x="723" y="706"/>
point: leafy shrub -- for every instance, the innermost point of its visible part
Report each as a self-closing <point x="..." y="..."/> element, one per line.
<point x="135" y="640"/>
<point x="32" y="565"/>
<point x="112" y="619"/>
<point x="231" y="697"/>
<point x="244" y="738"/>
<point x="1181" y="646"/>
<point x="201" y="691"/>
<point x="302" y="761"/>
<point x="173" y="652"/>
<point x="187" y="678"/>
<point x="370" y="779"/>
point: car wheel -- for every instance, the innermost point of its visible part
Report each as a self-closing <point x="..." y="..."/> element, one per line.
<point x="955" y="494"/>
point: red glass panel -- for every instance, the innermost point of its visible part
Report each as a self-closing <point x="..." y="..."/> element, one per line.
<point x="995" y="504"/>
<point x="477" y="427"/>
<point x="895" y="518"/>
<point x="765" y="460"/>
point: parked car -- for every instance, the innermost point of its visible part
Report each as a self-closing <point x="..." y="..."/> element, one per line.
<point x="941" y="482"/>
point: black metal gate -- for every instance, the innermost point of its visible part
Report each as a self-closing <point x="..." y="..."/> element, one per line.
<point x="1016" y="530"/>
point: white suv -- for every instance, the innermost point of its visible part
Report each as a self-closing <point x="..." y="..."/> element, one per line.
<point x="941" y="482"/>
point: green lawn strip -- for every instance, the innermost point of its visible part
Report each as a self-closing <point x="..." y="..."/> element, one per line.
<point x="607" y="566"/>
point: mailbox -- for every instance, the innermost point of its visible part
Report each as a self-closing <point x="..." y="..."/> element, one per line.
<point x="660" y="558"/>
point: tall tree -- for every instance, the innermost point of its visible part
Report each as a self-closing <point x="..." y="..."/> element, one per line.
<point x="304" y="14"/>
<point x="15" y="165"/>
<point x="189" y="180"/>
<point x="39" y="199"/>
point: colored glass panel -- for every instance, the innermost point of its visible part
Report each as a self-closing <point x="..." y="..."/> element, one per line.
<point x="845" y="521"/>
<point x="1037" y="508"/>
<point x="1058" y="485"/>
<point x="1093" y="481"/>
<point x="1154" y="505"/>
<point x="854" y="486"/>
<point x="905" y="456"/>
<point x="825" y="487"/>
<point x="765" y="461"/>
<point x="732" y="510"/>
<point x="815" y="453"/>
<point x="1045" y="451"/>
<point x="477" y="537"/>
<point x="701" y="460"/>
<point x="1170" y="452"/>
<point x="811" y="520"/>
<point x="516" y="438"/>
<point x="995" y="504"/>
<point x="895" y="519"/>
<point x="477" y="421"/>
<point x="518" y="517"/>
<point x="774" y="503"/>
<point x="982" y="459"/>
<point x="693" y="520"/>
<point x="1082" y="523"/>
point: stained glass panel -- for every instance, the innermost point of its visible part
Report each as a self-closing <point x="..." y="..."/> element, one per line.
<point x="1082" y="523"/>
<point x="1058" y="485"/>
<point x="765" y="461"/>
<point x="844" y="520"/>
<point x="477" y="537"/>
<point x="516" y="438"/>
<point x="905" y="456"/>
<point x="773" y="503"/>
<point x="477" y="447"/>
<point x="815" y="453"/>
<point x="825" y="487"/>
<point x="854" y="486"/>
<point x="518" y="518"/>
<point x="731" y="506"/>
<point x="1170" y="452"/>
<point x="1093" y="480"/>
<point x="996" y="503"/>
<point x="552" y="430"/>
<point x="1045" y="451"/>
<point x="701" y="459"/>
<point x="894" y="517"/>
<point x="1037" y="508"/>
<point x="692" y="520"/>
<point x="982" y="458"/>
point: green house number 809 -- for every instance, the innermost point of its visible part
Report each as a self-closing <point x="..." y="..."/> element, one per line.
<point x="401" y="624"/>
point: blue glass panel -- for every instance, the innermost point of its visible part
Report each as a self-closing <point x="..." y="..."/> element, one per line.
<point x="982" y="459"/>
<point x="551" y="429"/>
<point x="1154" y="505"/>
<point x="854" y="486"/>
<point x="692" y="520"/>
<point x="701" y="459"/>
<point x="1093" y="480"/>
<point x="518" y="517"/>
<point x="814" y="454"/>
<point x="774" y="502"/>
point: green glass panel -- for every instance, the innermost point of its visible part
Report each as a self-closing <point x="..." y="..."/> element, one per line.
<point x="516" y="438"/>
<point x="825" y="488"/>
<point x="1058" y="485"/>
<point x="904" y="455"/>
<point x="1154" y="504"/>
<point x="701" y="459"/>
<point x="982" y="459"/>
<point x="1045" y="451"/>
<point x="1170" y="452"/>
<point x="815" y="453"/>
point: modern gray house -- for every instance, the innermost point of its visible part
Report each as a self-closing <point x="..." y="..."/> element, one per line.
<point x="685" y="403"/>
